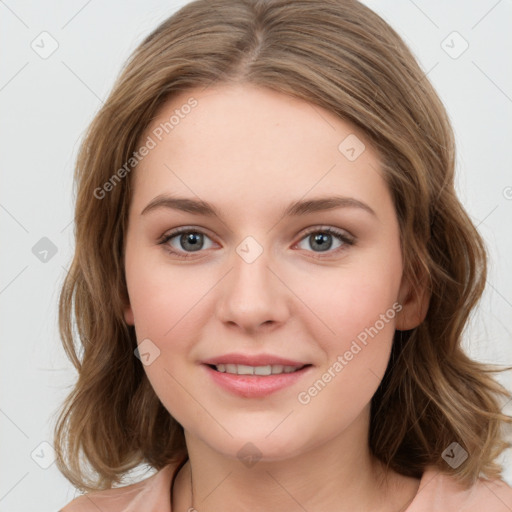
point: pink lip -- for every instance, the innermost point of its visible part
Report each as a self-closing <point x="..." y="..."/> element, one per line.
<point x="255" y="386"/>
<point x="256" y="360"/>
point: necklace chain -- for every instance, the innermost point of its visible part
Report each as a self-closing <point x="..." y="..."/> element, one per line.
<point x="192" y="509"/>
<point x="173" y="494"/>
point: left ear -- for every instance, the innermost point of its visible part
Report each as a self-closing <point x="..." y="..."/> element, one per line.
<point x="415" y="301"/>
<point x="128" y="315"/>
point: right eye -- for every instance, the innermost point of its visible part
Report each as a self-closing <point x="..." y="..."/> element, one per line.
<point x="187" y="241"/>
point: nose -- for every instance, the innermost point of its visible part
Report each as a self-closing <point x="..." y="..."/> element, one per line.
<point x="252" y="296"/>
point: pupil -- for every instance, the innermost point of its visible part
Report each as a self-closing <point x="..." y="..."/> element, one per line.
<point x="194" y="239"/>
<point x="323" y="240"/>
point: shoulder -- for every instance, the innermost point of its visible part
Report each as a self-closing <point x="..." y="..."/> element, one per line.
<point x="491" y="495"/>
<point x="149" y="495"/>
<point x="440" y="491"/>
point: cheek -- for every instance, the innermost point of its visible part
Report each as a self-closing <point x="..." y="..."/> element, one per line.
<point x="168" y="311"/>
<point x="360" y="301"/>
<point x="352" y="299"/>
<point x="360" y="308"/>
<point x="159" y="295"/>
<point x="364" y="314"/>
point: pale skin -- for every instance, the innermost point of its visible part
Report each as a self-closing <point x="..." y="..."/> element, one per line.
<point x="250" y="152"/>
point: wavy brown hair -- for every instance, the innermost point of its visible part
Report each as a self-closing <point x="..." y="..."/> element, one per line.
<point x="341" y="56"/>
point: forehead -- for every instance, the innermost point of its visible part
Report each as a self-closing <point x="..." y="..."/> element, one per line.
<point x="254" y="144"/>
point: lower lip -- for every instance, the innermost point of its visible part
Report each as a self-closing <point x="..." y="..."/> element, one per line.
<point x="254" y="386"/>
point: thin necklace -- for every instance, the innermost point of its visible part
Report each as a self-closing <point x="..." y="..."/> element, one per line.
<point x="191" y="509"/>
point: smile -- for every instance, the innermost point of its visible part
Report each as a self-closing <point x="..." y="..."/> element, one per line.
<point x="255" y="381"/>
<point x="242" y="369"/>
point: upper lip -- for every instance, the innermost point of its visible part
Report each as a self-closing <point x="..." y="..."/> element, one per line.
<point x="254" y="360"/>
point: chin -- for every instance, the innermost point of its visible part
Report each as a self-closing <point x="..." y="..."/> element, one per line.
<point x="259" y="446"/>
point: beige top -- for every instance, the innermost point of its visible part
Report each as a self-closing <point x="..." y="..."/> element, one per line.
<point x="438" y="492"/>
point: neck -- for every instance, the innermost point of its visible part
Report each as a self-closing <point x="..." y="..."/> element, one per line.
<point x="336" y="476"/>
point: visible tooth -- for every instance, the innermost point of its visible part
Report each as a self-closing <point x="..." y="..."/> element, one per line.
<point x="245" y="370"/>
<point x="242" y="369"/>
<point x="230" y="368"/>
<point x="263" y="370"/>
<point x="277" y="368"/>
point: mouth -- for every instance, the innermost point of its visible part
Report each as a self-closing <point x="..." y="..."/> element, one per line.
<point x="260" y="371"/>
<point x="254" y="381"/>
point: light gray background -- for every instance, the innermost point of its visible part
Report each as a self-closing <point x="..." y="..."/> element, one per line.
<point x="46" y="105"/>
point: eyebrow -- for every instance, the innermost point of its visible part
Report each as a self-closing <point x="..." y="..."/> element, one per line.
<point x="296" y="208"/>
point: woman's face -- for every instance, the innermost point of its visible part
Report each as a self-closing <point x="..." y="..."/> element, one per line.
<point x="257" y="280"/>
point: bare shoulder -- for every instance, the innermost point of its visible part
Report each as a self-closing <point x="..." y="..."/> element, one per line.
<point x="80" y="504"/>
<point x="144" y="495"/>
<point x="107" y="500"/>
<point x="493" y="495"/>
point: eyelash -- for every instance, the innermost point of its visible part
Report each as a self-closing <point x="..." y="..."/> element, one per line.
<point x="346" y="239"/>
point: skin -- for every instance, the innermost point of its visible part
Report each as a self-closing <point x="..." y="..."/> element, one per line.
<point x="250" y="152"/>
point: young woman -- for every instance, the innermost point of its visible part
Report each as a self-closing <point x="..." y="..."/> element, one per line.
<point x="272" y="275"/>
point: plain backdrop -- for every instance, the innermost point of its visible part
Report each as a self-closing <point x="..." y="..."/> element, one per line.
<point x="58" y="62"/>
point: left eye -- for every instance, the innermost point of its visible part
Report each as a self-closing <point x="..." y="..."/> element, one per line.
<point x="189" y="240"/>
<point x="322" y="238"/>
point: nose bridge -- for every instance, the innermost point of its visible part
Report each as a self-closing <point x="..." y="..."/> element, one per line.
<point x="252" y="294"/>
